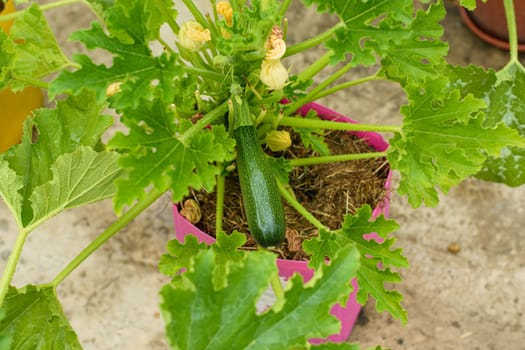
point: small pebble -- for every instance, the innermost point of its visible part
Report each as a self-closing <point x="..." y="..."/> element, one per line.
<point x="454" y="248"/>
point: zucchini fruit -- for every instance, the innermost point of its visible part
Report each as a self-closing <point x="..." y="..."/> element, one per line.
<point x="260" y="195"/>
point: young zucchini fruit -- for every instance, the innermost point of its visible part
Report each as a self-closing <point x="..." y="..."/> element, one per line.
<point x="260" y="195"/>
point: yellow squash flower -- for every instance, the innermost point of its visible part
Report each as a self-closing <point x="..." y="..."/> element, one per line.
<point x="273" y="74"/>
<point x="193" y="36"/>
<point x="224" y="8"/>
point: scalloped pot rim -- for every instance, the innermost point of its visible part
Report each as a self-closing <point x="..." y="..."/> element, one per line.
<point x="349" y="313"/>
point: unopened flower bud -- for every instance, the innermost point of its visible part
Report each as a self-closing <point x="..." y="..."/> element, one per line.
<point x="193" y="36"/>
<point x="113" y="88"/>
<point x="273" y="74"/>
<point x="224" y="8"/>
<point x="278" y="140"/>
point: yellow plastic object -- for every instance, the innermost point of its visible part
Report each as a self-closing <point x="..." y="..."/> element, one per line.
<point x="9" y="6"/>
<point x="15" y="107"/>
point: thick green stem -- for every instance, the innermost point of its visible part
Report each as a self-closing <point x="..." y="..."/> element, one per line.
<point x="511" y="26"/>
<point x="312" y="94"/>
<point x="199" y="17"/>
<point x="131" y="214"/>
<point x="314" y="41"/>
<point x="299" y="208"/>
<point x="45" y="7"/>
<point x="10" y="268"/>
<point x="205" y="73"/>
<point x="219" y="210"/>
<point x="299" y="122"/>
<point x="167" y="16"/>
<point x="335" y="158"/>
<point x="343" y="86"/>
<point x="284" y="8"/>
<point x="204" y="122"/>
<point x="315" y="67"/>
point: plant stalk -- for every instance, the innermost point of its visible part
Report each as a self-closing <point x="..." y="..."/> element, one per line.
<point x="513" y="32"/>
<point x="299" y="208"/>
<point x="312" y="94"/>
<point x="314" y="41"/>
<point x="10" y="268"/>
<point x="205" y="73"/>
<point x="299" y="122"/>
<point x="219" y="210"/>
<point x="199" y="17"/>
<point x="315" y="67"/>
<point x="335" y="158"/>
<point x="204" y="122"/>
<point x="344" y="86"/>
<point x="169" y="19"/>
<point x="284" y="8"/>
<point x="278" y="291"/>
<point x="114" y="228"/>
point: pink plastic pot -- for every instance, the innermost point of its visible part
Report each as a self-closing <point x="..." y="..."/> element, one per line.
<point x="348" y="313"/>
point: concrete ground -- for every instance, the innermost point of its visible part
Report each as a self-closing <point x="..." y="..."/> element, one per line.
<point x="471" y="300"/>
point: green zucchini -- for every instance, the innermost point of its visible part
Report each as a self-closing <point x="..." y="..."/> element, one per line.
<point x="262" y="202"/>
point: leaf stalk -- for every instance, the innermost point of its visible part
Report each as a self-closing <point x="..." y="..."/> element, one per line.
<point x="114" y="228"/>
<point x="300" y="122"/>
<point x="10" y="267"/>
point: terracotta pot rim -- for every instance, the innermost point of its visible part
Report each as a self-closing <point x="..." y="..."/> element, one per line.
<point x="483" y="35"/>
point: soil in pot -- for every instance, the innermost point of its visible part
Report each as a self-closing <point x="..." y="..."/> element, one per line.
<point x="328" y="191"/>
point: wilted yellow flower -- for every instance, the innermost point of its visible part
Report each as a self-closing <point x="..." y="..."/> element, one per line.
<point x="278" y="140"/>
<point x="224" y="8"/>
<point x="276" y="50"/>
<point x="193" y="36"/>
<point x="273" y="74"/>
<point x="191" y="211"/>
<point x="275" y="45"/>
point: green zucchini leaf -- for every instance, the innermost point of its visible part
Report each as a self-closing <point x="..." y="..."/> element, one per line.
<point x="444" y="139"/>
<point x="34" y="319"/>
<point x="179" y="255"/>
<point x="167" y="153"/>
<point x="506" y="103"/>
<point x="132" y="27"/>
<point x="469" y="4"/>
<point x="376" y="257"/>
<point x="81" y="177"/>
<point x="30" y="52"/>
<point x="407" y="43"/>
<point x="200" y="316"/>
<point x="57" y="158"/>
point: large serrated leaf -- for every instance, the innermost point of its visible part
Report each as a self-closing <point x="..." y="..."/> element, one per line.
<point x="52" y="133"/>
<point x="10" y="185"/>
<point x="131" y="24"/>
<point x="33" y="50"/>
<point x="82" y="177"/>
<point x="305" y="311"/>
<point x="200" y="316"/>
<point x="376" y="257"/>
<point x="443" y="140"/>
<point x="158" y="153"/>
<point x="34" y="320"/>
<point x="506" y="103"/>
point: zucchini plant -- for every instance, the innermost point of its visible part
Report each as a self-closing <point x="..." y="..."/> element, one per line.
<point x="206" y="102"/>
